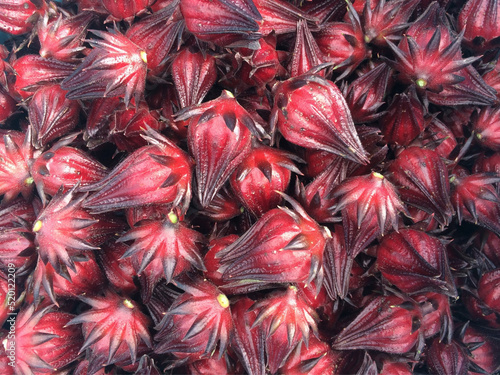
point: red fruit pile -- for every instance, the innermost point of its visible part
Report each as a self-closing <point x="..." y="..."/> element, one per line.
<point x="250" y="187"/>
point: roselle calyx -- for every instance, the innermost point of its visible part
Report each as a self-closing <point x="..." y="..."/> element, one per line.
<point x="451" y="358"/>
<point x="43" y="341"/>
<point x="281" y="17"/>
<point x="116" y="66"/>
<point x="87" y="278"/>
<point x="17" y="248"/>
<point x="343" y="43"/>
<point x="315" y="358"/>
<point x="430" y="58"/>
<point x="365" y="95"/>
<point x="476" y="200"/>
<point x="224" y="206"/>
<point x="194" y="73"/>
<point x="415" y="262"/>
<point x="15" y="151"/>
<point x="62" y="38"/>
<point x="483" y="348"/>
<point x="480" y="22"/>
<point x="317" y="197"/>
<point x="51" y="114"/>
<point x="163" y="249"/>
<point x="19" y="17"/>
<point x="219" y="139"/>
<point x="306" y="53"/>
<point x="128" y="126"/>
<point x="263" y="172"/>
<point x="486" y="127"/>
<point x="65" y="166"/>
<point x="119" y="272"/>
<point x="33" y="71"/>
<point x="198" y="322"/>
<point x="437" y="317"/>
<point x="337" y="263"/>
<point x="286" y="320"/>
<point x="249" y="343"/>
<point x="7" y="105"/>
<point x="488" y="289"/>
<point x="99" y="117"/>
<point x="62" y="230"/>
<point x="115" y="330"/>
<point x="395" y="368"/>
<point x="386" y="20"/>
<point x="422" y="179"/>
<point x="284" y="245"/>
<point x="222" y="22"/>
<point x="370" y="207"/>
<point x="388" y="324"/>
<point x="311" y="112"/>
<point x="157" y="34"/>
<point x="404" y="120"/>
<point x="169" y="166"/>
<point x="260" y="67"/>
<point x="440" y="137"/>
<point x="125" y="10"/>
<point x="326" y="10"/>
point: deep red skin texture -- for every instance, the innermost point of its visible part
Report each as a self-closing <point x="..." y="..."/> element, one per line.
<point x="255" y="191"/>
<point x="415" y="262"/>
<point x="216" y="148"/>
<point x="66" y="166"/>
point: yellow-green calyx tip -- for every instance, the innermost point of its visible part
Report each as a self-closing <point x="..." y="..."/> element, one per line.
<point x="174" y="219"/>
<point x="421" y="82"/>
<point x="144" y="56"/>
<point x="128" y="304"/>
<point x="229" y="94"/>
<point x="37" y="226"/>
<point x="293" y="287"/>
<point x="479" y="136"/>
<point x="223" y="301"/>
<point x="378" y="175"/>
<point x="29" y="181"/>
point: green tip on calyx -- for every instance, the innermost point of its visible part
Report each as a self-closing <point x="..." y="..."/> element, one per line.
<point x="378" y="175"/>
<point x="421" y="82"/>
<point x="223" y="301"/>
<point x="479" y="136"/>
<point x="128" y="304"/>
<point x="144" y="56"/>
<point x="174" y="219"/>
<point x="29" y="181"/>
<point x="37" y="226"/>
